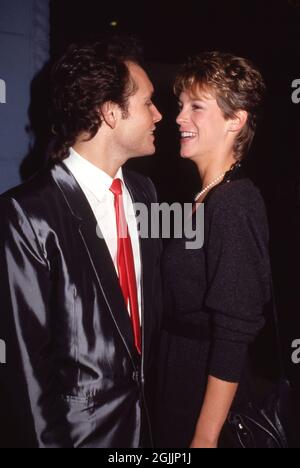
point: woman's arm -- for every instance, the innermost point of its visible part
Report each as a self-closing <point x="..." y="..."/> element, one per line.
<point x="217" y="403"/>
<point x="238" y="278"/>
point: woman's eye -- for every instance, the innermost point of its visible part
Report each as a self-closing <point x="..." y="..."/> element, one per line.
<point x="195" y="107"/>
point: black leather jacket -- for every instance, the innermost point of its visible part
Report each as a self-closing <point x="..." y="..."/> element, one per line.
<point x="73" y="377"/>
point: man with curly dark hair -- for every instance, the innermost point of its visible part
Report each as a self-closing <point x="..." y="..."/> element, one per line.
<point x="80" y="289"/>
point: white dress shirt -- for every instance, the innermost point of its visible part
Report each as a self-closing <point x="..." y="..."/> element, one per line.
<point x="95" y="184"/>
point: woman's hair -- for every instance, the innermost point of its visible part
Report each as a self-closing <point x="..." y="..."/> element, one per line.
<point x="87" y="76"/>
<point x="236" y="84"/>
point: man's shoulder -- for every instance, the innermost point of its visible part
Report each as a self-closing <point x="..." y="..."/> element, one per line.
<point x="141" y="184"/>
<point x="34" y="192"/>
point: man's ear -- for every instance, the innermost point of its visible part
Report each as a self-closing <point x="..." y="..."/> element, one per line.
<point x="109" y="113"/>
<point x="238" y="122"/>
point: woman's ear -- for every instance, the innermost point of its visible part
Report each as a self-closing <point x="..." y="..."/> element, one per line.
<point x="109" y="114"/>
<point x="238" y="122"/>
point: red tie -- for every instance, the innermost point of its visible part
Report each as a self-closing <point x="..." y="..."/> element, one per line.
<point x="126" y="268"/>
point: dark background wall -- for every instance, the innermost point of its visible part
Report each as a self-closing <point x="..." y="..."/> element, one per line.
<point x="265" y="31"/>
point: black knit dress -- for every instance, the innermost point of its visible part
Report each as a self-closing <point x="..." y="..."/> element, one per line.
<point x="214" y="305"/>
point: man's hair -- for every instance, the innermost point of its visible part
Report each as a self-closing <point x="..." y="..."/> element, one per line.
<point x="236" y="84"/>
<point x="83" y="80"/>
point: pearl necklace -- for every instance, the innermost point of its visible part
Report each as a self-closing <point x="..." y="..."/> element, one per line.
<point x="214" y="182"/>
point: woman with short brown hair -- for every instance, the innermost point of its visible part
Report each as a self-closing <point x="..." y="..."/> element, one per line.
<point x="214" y="296"/>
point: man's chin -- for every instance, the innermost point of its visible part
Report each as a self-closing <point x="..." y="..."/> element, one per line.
<point x="150" y="152"/>
<point x="145" y="154"/>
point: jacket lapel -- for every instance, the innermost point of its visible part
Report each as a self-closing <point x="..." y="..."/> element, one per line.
<point x="98" y="253"/>
<point x="139" y="195"/>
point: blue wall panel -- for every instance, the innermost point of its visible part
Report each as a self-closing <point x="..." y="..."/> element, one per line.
<point x="16" y="16"/>
<point x="24" y="43"/>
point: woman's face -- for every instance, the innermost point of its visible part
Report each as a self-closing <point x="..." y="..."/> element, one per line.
<point x="203" y="128"/>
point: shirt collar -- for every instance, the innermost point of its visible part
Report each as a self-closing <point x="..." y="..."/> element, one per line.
<point x="92" y="177"/>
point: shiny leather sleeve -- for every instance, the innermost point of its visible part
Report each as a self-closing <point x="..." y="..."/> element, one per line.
<point x="29" y="383"/>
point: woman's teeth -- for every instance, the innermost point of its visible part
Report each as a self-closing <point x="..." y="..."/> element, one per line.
<point x="186" y="135"/>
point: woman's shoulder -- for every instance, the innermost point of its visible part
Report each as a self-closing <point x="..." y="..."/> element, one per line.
<point x="241" y="194"/>
<point x="238" y="208"/>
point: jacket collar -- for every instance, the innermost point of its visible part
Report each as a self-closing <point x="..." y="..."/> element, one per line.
<point x="98" y="252"/>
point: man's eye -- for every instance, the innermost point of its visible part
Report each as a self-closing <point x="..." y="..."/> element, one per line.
<point x="195" y="107"/>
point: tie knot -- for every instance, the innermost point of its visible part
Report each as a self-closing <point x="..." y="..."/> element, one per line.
<point x="116" y="187"/>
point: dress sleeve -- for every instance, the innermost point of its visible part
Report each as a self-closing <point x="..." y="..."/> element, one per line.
<point x="238" y="276"/>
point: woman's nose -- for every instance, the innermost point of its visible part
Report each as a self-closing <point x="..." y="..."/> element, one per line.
<point x="181" y="118"/>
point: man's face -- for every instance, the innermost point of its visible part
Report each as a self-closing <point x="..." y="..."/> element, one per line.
<point x="135" y="134"/>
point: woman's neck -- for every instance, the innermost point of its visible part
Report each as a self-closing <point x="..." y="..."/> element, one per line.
<point x="213" y="170"/>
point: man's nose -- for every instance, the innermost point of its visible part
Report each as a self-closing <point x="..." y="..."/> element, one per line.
<point x="157" y="116"/>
